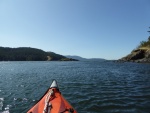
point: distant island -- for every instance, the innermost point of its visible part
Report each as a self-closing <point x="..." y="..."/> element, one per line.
<point x="84" y="59"/>
<point x="30" y="54"/>
<point x="139" y="55"/>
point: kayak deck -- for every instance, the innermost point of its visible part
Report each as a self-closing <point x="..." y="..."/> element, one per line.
<point x="52" y="102"/>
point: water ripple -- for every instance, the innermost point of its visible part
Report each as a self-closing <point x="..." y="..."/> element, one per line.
<point x="91" y="87"/>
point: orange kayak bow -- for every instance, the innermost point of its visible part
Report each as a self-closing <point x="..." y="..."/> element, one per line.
<point x="52" y="102"/>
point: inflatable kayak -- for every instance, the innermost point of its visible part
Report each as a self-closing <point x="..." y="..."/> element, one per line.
<point x="52" y="102"/>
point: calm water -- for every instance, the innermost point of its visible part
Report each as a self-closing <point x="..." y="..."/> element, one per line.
<point x="91" y="87"/>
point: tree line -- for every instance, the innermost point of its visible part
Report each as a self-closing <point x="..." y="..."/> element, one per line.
<point x="145" y="43"/>
<point x="27" y="54"/>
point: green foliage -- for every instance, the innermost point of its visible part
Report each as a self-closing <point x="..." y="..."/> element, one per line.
<point x="145" y="43"/>
<point x="149" y="38"/>
<point x="26" y="54"/>
<point x="55" y="56"/>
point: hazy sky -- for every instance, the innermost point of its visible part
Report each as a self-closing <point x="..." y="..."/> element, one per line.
<point x="107" y="29"/>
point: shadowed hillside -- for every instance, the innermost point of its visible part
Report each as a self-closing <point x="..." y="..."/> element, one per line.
<point x="29" y="54"/>
<point x="141" y="54"/>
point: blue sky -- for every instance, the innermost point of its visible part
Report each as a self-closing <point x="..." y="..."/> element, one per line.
<point x="107" y="29"/>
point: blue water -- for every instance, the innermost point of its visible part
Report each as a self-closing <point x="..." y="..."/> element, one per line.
<point x="91" y="87"/>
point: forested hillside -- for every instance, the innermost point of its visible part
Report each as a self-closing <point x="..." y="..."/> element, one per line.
<point x="141" y="54"/>
<point x="29" y="54"/>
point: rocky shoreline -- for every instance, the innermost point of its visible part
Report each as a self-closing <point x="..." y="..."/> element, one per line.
<point x="140" y="55"/>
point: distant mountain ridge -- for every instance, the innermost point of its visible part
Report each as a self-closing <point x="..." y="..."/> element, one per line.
<point x="84" y="59"/>
<point x="30" y="54"/>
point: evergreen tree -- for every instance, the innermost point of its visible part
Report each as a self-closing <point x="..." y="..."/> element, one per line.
<point x="27" y="54"/>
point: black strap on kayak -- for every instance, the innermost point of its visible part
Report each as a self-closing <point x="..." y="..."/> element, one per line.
<point x="70" y="110"/>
